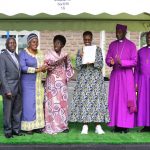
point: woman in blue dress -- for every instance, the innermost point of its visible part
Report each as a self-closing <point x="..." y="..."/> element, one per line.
<point x="31" y="61"/>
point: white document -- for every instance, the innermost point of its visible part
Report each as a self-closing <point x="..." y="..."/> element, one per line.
<point x="89" y="53"/>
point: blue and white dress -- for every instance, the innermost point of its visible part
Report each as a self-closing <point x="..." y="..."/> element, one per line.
<point x="89" y="103"/>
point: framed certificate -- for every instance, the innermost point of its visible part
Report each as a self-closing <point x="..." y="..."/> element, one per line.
<point x="89" y="53"/>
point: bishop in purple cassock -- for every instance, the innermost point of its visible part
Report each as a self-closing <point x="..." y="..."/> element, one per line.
<point x="142" y="79"/>
<point x="122" y="57"/>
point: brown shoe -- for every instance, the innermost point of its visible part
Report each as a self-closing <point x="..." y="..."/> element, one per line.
<point x="38" y="130"/>
<point x="66" y="131"/>
<point x="29" y="132"/>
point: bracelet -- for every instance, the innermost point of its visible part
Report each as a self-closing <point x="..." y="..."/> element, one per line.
<point x="37" y="70"/>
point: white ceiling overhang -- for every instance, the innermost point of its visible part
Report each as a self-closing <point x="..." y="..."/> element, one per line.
<point x="74" y="7"/>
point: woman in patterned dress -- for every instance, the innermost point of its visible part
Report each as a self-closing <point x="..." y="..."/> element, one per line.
<point x="31" y="61"/>
<point x="89" y="102"/>
<point x="56" y="95"/>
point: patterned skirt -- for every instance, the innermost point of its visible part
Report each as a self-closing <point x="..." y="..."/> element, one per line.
<point x="89" y="103"/>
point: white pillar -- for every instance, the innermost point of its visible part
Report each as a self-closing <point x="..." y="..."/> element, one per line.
<point x="102" y="46"/>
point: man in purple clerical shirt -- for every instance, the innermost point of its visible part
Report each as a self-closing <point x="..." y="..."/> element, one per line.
<point x="142" y="80"/>
<point x="122" y="57"/>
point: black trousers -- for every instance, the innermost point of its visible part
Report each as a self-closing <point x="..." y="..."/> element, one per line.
<point x="12" y="111"/>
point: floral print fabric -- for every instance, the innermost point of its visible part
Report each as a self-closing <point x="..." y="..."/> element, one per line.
<point x="56" y="95"/>
<point x="89" y="103"/>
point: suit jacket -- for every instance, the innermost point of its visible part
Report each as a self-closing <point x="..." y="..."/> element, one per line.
<point x="9" y="74"/>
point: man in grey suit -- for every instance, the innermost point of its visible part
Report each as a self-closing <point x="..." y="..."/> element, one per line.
<point x="11" y="89"/>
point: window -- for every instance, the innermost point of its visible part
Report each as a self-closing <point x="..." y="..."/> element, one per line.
<point x="20" y="36"/>
<point x="143" y="39"/>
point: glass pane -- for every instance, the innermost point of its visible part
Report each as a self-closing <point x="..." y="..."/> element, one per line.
<point x="143" y="39"/>
<point x="22" y="42"/>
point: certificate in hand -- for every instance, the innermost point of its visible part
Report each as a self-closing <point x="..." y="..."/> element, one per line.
<point x="89" y="53"/>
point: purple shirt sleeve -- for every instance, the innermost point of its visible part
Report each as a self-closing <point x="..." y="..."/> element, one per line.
<point x="109" y="56"/>
<point x="132" y="62"/>
<point x="136" y="70"/>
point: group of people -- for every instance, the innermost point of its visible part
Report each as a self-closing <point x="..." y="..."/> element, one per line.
<point x="28" y="105"/>
<point x="34" y="106"/>
<point x="129" y="98"/>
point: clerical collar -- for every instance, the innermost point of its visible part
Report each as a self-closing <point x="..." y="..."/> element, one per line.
<point x="120" y="40"/>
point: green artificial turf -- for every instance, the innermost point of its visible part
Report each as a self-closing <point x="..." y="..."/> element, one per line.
<point x="74" y="136"/>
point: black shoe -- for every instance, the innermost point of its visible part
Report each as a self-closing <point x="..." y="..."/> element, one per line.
<point x="38" y="130"/>
<point x="66" y="131"/>
<point x="29" y="132"/>
<point x="145" y="129"/>
<point x="8" y="135"/>
<point x="125" y="130"/>
<point x="18" y="133"/>
<point x="117" y="130"/>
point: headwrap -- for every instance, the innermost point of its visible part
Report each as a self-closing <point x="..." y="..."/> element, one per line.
<point x="121" y="27"/>
<point x="31" y="36"/>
